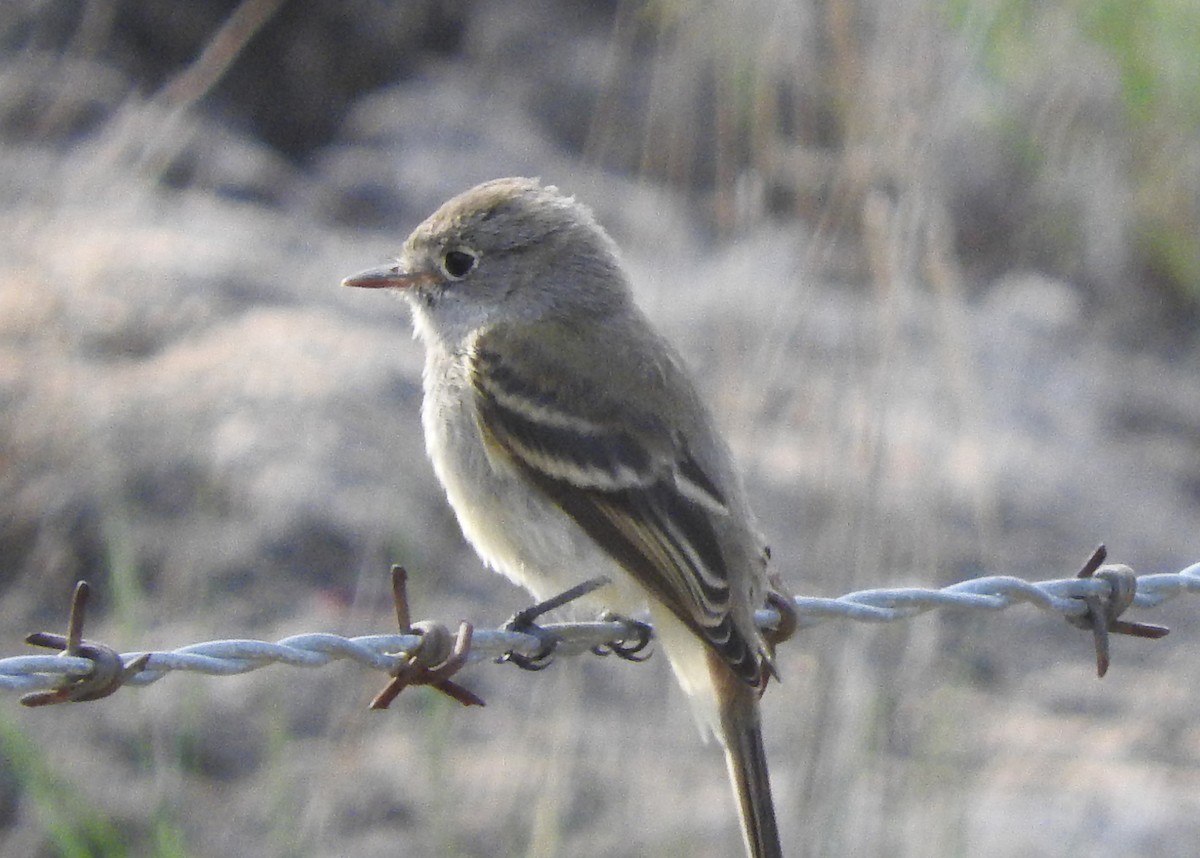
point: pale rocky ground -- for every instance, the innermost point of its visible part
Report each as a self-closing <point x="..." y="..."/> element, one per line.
<point x="197" y="419"/>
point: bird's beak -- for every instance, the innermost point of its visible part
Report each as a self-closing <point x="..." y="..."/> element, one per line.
<point x="387" y="277"/>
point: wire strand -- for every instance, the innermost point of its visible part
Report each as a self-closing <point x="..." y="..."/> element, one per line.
<point x="387" y="652"/>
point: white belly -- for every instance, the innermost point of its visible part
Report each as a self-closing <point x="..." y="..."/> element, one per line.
<point x="513" y="528"/>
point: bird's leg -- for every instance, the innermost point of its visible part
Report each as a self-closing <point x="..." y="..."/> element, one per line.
<point x="630" y="650"/>
<point x="525" y="623"/>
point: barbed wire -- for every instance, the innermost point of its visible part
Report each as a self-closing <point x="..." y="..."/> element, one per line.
<point x="1080" y="600"/>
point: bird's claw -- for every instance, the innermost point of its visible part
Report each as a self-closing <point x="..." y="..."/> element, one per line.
<point x="540" y="660"/>
<point x="625" y="648"/>
<point x="524" y="622"/>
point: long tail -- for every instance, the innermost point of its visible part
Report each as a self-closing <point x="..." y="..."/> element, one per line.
<point x="741" y="734"/>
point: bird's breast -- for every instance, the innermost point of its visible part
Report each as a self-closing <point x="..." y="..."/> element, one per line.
<point x="513" y="527"/>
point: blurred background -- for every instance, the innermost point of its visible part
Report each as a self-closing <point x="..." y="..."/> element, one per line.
<point x="934" y="262"/>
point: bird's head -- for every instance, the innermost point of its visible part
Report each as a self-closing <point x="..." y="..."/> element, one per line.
<point x="509" y="250"/>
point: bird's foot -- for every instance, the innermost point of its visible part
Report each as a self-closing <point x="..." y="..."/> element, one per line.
<point x="525" y="623"/>
<point x="630" y="648"/>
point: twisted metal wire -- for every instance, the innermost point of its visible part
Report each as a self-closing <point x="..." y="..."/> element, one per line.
<point x="386" y="652"/>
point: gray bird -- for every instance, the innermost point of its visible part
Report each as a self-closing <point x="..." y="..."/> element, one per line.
<point x="572" y="445"/>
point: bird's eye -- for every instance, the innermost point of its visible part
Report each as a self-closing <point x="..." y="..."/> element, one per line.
<point x="458" y="263"/>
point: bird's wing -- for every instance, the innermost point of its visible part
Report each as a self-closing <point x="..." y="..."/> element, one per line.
<point x="628" y="480"/>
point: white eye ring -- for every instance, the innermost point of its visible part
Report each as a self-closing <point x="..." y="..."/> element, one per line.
<point x="458" y="262"/>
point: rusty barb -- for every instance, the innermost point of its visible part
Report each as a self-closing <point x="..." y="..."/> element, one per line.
<point x="108" y="671"/>
<point x="436" y="658"/>
<point x="1103" y="612"/>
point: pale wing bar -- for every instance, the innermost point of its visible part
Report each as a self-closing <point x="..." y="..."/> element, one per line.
<point x="638" y="510"/>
